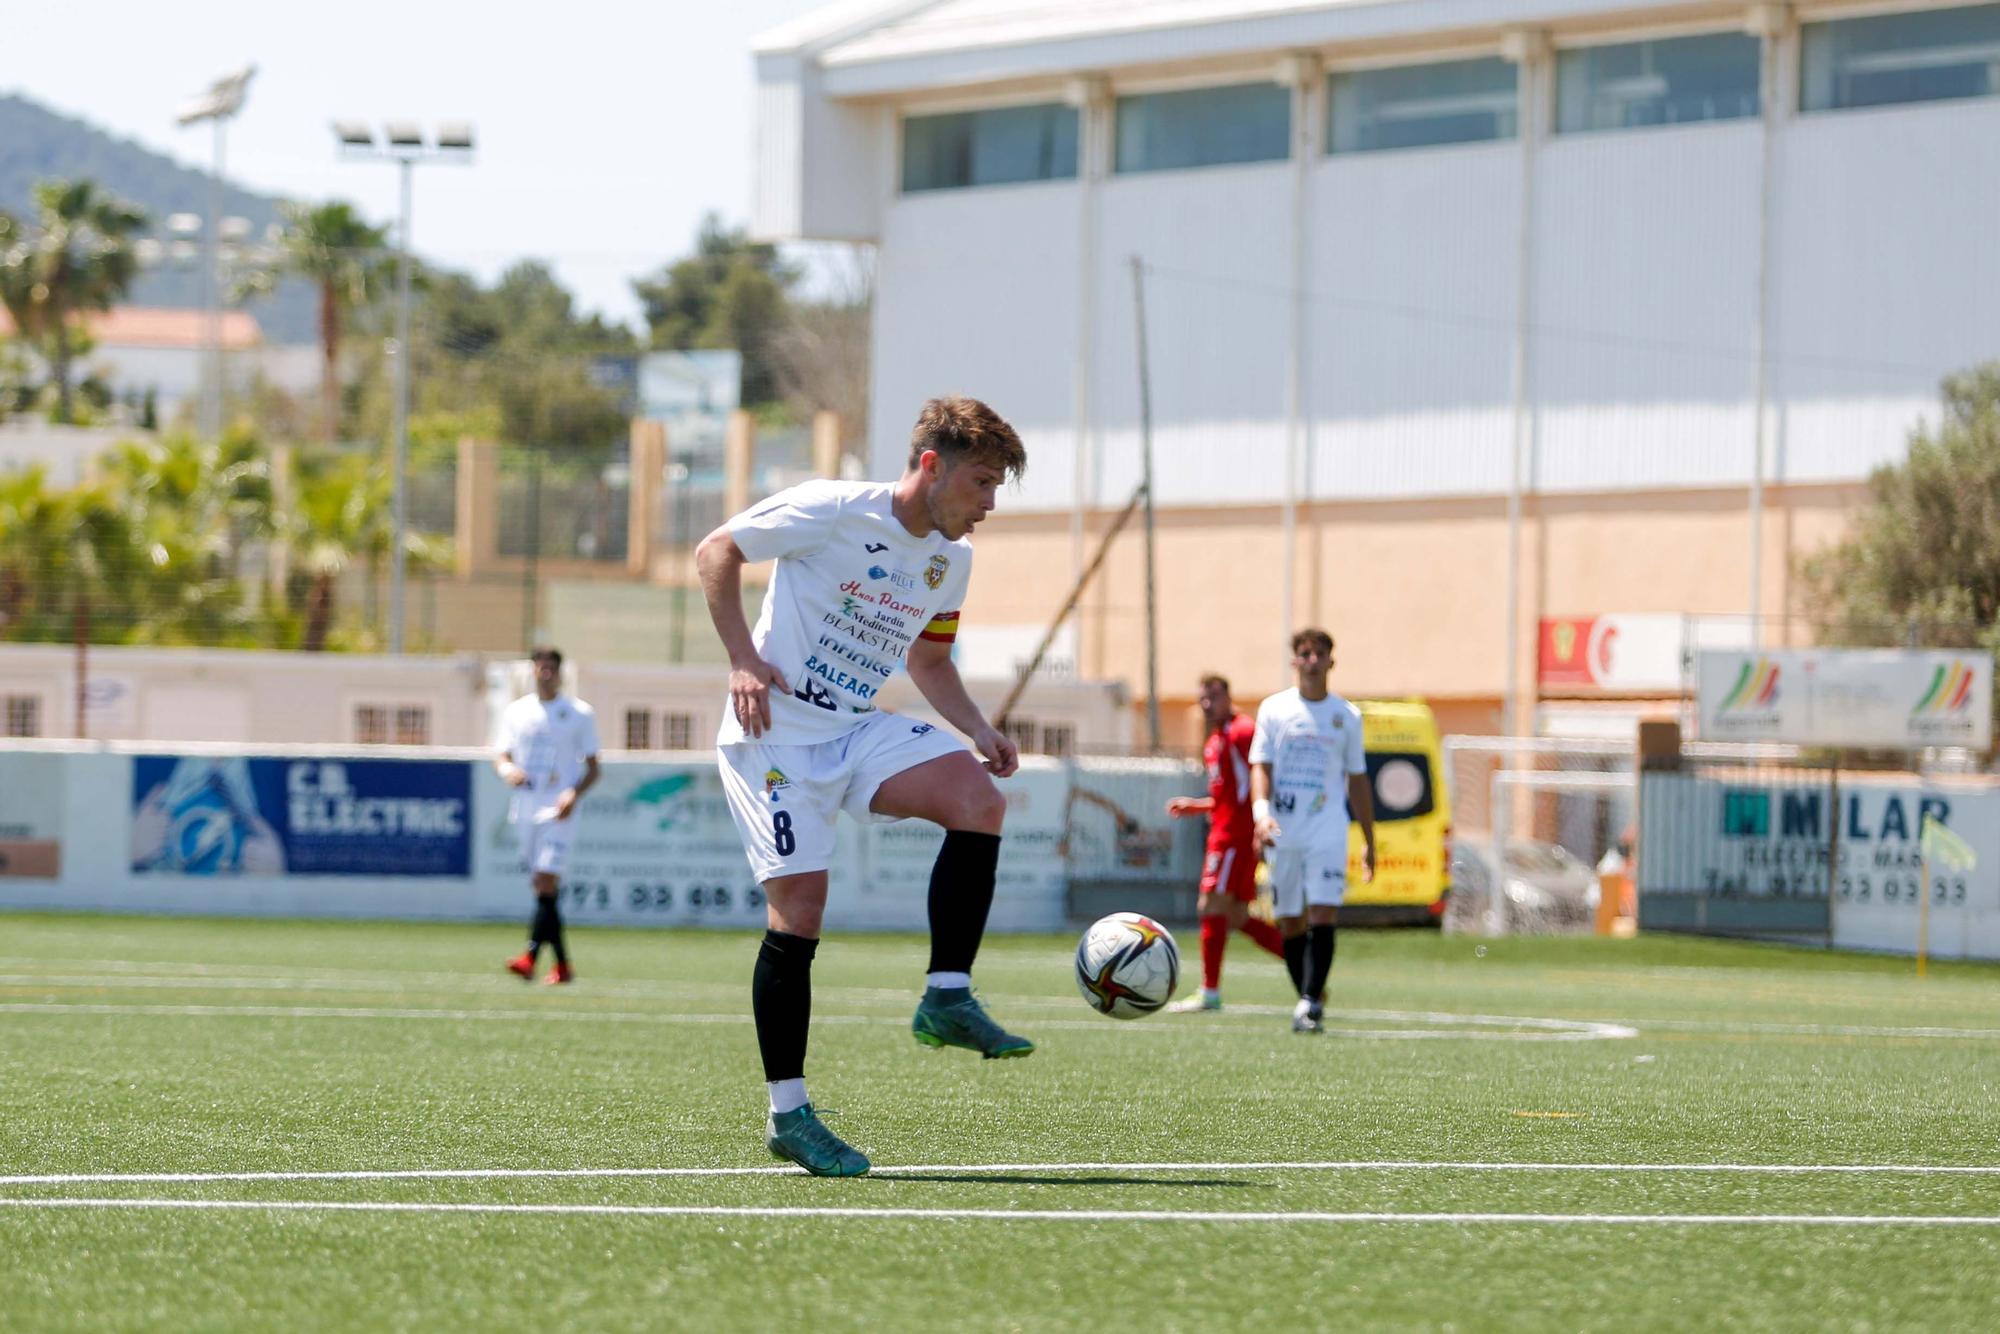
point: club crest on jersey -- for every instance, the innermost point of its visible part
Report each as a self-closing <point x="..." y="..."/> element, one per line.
<point x="934" y="573"/>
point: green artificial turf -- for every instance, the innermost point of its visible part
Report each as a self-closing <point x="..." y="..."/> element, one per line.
<point x="134" y="1046"/>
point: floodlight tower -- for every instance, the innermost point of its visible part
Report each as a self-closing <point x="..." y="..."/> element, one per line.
<point x="403" y="144"/>
<point x="223" y="99"/>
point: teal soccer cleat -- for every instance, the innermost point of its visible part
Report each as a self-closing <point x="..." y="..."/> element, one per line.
<point x="800" y="1137"/>
<point x="956" y="1019"/>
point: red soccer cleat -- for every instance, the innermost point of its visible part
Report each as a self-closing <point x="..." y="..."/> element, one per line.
<point x="523" y="967"/>
<point x="559" y="974"/>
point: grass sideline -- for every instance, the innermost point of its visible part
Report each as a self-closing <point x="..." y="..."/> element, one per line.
<point x="147" y="1046"/>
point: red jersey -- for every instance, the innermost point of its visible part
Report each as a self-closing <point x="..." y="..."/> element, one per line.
<point x="1227" y="755"/>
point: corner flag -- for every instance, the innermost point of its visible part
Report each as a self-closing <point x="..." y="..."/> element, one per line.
<point x="1945" y="847"/>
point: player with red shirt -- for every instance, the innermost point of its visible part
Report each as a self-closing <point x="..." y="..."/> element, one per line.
<point x="1229" y="869"/>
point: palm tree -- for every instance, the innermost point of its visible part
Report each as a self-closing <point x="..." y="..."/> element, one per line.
<point x="340" y="517"/>
<point x="332" y="247"/>
<point x="78" y="257"/>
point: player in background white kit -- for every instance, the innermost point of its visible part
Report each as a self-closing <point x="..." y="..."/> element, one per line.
<point x="1307" y="771"/>
<point x="547" y="752"/>
<point x="868" y="580"/>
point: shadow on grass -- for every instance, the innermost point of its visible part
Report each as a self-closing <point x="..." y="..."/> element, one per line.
<point x="1031" y="1179"/>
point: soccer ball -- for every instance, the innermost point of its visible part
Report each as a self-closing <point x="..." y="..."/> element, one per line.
<point x="1127" y="965"/>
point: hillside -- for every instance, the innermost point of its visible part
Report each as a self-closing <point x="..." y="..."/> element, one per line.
<point x="36" y="144"/>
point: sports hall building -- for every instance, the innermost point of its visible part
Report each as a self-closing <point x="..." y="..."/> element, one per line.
<point x="1475" y="329"/>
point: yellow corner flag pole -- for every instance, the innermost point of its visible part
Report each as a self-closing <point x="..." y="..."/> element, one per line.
<point x="1938" y="840"/>
<point x="1924" y="906"/>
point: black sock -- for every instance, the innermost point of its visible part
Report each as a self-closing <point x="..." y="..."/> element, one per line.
<point x="961" y="896"/>
<point x="1319" y="960"/>
<point x="555" y="931"/>
<point x="548" y="929"/>
<point x="1295" y="961"/>
<point x="536" y="927"/>
<point x="781" y="998"/>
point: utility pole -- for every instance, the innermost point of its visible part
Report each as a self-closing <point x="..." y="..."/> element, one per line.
<point x="403" y="144"/>
<point x="222" y="101"/>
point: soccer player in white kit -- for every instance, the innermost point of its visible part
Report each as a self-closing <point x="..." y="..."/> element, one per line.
<point x="1307" y="771"/>
<point x="869" y="579"/>
<point x="547" y="752"/>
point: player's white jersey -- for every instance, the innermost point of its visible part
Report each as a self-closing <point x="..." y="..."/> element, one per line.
<point x="549" y="741"/>
<point x="1311" y="746"/>
<point x="851" y="591"/>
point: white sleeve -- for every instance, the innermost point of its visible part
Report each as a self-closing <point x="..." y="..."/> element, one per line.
<point x="1260" y="740"/>
<point x="792" y="523"/>
<point x="506" y="742"/>
<point x="1357" y="749"/>
<point x="586" y="734"/>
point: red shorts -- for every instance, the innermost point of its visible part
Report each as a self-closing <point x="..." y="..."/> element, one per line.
<point x="1230" y="870"/>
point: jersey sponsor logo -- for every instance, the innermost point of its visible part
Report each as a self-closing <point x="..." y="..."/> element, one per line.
<point x="855" y="656"/>
<point x="875" y="548"/>
<point x="774" y="779"/>
<point x="887" y="604"/>
<point x="839" y="678"/>
<point x="934" y="572"/>
<point x="870" y="632"/>
<point x="921" y="728"/>
<point x="896" y="578"/>
<point x="817" y="695"/>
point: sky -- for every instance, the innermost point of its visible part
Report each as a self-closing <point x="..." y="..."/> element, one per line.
<point x="605" y="129"/>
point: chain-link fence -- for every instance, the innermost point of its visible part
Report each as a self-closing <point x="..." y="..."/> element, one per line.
<point x="1120" y="849"/>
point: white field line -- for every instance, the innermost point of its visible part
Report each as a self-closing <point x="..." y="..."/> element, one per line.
<point x="119" y="974"/>
<point x="1833" y="1030"/>
<point x="1494" y="1028"/>
<point x="936" y="1169"/>
<point x="1027" y="1215"/>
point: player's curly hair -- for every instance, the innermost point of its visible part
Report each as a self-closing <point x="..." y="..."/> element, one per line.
<point x="1312" y="635"/>
<point x="960" y="428"/>
<point x="1214" y="679"/>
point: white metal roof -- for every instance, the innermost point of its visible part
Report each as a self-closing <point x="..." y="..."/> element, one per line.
<point x="891" y="48"/>
<point x="952" y="25"/>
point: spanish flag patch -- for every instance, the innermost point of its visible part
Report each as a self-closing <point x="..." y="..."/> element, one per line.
<point x="943" y="628"/>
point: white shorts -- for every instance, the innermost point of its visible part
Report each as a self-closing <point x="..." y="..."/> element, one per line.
<point x="1306" y="876"/>
<point x="545" y="843"/>
<point x="784" y="799"/>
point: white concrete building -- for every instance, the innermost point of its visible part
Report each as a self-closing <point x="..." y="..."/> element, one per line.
<point x="288" y="698"/>
<point x="1554" y="295"/>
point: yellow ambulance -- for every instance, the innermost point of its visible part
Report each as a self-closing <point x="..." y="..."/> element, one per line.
<point x="1412" y="817"/>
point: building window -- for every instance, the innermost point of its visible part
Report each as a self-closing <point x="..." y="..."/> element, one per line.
<point x="413" y="725"/>
<point x="677" y="731"/>
<point x="1059" y="739"/>
<point x="403" y="724"/>
<point x="24" y="715"/>
<point x="1414" y="106"/>
<point x="995" y="147"/>
<point x="1204" y="127"/>
<point x="1923" y="57"/>
<point x="1668" y="82"/>
<point x="1022" y="732"/>
<point x="638" y="729"/>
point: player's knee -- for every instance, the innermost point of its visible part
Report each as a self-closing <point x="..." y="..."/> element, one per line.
<point x="795" y="919"/>
<point x="981" y="808"/>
